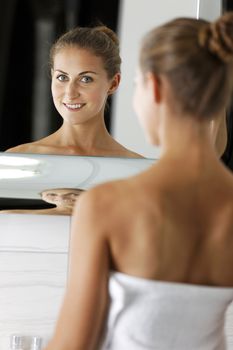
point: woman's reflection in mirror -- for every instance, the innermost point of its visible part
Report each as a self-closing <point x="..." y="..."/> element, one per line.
<point x="151" y="255"/>
<point x="85" y="70"/>
<point x="63" y="200"/>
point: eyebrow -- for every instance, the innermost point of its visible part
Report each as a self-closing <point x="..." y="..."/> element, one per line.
<point x="67" y="194"/>
<point x="81" y="73"/>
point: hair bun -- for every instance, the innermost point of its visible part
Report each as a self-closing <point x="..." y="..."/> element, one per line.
<point x="109" y="32"/>
<point x="217" y="37"/>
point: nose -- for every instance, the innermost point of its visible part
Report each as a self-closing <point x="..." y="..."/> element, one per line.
<point x="72" y="91"/>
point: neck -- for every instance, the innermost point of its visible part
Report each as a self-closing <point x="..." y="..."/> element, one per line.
<point x="186" y="138"/>
<point x="87" y="136"/>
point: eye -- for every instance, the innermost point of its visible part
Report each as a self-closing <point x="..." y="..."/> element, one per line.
<point x="86" y="79"/>
<point x="52" y="195"/>
<point x="74" y="195"/>
<point x="71" y="196"/>
<point x="62" y="77"/>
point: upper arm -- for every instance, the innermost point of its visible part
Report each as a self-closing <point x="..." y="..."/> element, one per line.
<point x="83" y="312"/>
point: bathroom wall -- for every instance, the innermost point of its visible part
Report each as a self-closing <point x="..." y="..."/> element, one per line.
<point x="33" y="271"/>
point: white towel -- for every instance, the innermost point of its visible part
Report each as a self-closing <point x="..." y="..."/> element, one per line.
<point x="147" y="314"/>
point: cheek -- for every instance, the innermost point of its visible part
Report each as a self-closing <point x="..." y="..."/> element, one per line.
<point x="56" y="89"/>
<point x="136" y="102"/>
<point x="50" y="199"/>
<point x="140" y="107"/>
<point x="99" y="96"/>
<point x="53" y="90"/>
<point x="152" y="130"/>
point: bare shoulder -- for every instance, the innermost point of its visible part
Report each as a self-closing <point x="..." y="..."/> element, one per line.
<point x="112" y="206"/>
<point x="24" y="148"/>
<point x="31" y="147"/>
<point x="123" y="151"/>
<point x="103" y="194"/>
<point x="92" y="213"/>
<point x="45" y="145"/>
<point x="99" y="204"/>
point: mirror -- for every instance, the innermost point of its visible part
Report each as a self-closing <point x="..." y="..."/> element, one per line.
<point x="32" y="113"/>
<point x="39" y="177"/>
<point x="42" y="20"/>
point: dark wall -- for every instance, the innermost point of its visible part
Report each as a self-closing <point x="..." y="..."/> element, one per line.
<point x="16" y="85"/>
<point x="227" y="5"/>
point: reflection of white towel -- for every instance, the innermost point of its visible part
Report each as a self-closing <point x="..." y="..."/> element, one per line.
<point x="146" y="314"/>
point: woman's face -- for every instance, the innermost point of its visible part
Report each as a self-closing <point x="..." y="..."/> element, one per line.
<point x="80" y="85"/>
<point x="61" y="197"/>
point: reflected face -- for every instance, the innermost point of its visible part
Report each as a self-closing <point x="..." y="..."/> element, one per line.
<point x="80" y="85"/>
<point x="61" y="197"/>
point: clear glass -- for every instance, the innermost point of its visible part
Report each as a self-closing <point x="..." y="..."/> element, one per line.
<point x="16" y="342"/>
<point x="36" y="343"/>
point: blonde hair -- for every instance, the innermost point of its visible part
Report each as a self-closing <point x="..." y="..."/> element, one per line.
<point x="197" y="58"/>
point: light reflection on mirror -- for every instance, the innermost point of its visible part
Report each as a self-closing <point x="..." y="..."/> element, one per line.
<point x="16" y="173"/>
<point x="19" y="167"/>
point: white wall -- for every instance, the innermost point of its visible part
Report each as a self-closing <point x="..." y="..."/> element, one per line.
<point x="33" y="272"/>
<point x="137" y="17"/>
<point x="209" y="10"/>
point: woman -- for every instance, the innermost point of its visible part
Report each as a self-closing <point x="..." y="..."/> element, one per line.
<point x="63" y="200"/>
<point x="151" y="256"/>
<point x="85" y="69"/>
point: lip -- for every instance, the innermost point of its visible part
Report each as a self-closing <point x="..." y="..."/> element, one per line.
<point x="74" y="107"/>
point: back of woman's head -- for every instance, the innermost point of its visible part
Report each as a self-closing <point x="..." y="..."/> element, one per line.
<point x="197" y="59"/>
<point x="100" y="40"/>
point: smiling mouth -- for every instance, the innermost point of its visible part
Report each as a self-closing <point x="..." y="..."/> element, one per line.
<point x="74" y="106"/>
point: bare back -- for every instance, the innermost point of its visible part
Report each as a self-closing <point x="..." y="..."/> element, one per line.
<point x="175" y="228"/>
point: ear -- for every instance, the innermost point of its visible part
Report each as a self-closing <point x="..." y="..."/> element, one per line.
<point x="219" y="132"/>
<point x="114" y="83"/>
